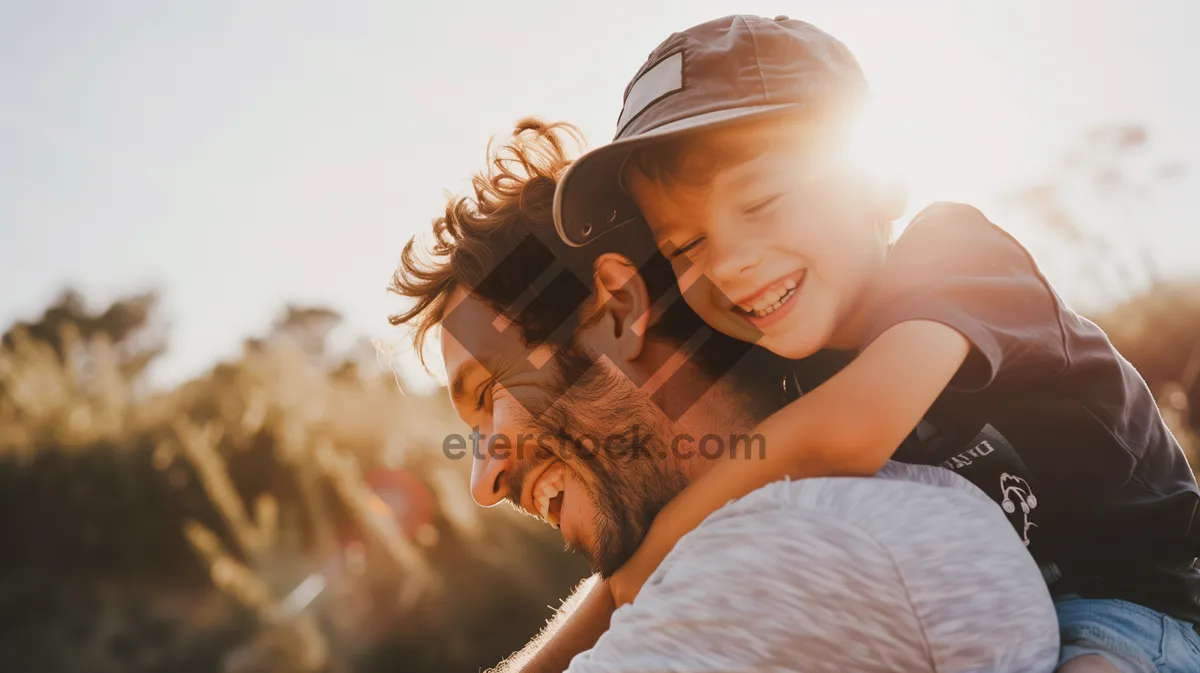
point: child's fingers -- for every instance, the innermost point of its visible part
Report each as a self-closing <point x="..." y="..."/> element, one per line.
<point x="624" y="585"/>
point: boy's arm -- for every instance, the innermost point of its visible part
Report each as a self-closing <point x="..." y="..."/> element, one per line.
<point x="848" y="426"/>
<point x="575" y="628"/>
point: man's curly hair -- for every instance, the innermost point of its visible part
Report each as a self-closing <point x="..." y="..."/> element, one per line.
<point x="498" y="242"/>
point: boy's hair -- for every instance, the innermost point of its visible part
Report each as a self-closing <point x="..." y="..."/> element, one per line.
<point x="499" y="243"/>
<point x="695" y="158"/>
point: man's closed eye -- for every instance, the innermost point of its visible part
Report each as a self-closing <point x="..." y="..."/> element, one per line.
<point x="485" y="394"/>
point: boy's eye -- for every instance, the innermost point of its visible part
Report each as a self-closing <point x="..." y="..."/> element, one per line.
<point x="687" y="247"/>
<point x="762" y="205"/>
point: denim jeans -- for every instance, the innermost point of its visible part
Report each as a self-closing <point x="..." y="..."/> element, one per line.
<point x="1133" y="638"/>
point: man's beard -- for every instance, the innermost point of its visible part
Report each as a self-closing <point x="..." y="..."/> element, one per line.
<point x="630" y="480"/>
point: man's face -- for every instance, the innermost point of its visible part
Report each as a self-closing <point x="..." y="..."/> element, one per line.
<point x="575" y="443"/>
<point x="776" y="249"/>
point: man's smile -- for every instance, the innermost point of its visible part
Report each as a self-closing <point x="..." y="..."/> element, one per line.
<point x="548" y="492"/>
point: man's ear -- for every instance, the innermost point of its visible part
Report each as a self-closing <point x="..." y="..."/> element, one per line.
<point x="622" y="309"/>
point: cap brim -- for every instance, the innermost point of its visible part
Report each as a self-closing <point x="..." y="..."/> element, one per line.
<point x="589" y="201"/>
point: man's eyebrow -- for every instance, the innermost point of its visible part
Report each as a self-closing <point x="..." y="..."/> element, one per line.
<point x="459" y="382"/>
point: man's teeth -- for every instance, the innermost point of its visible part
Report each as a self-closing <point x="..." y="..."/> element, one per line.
<point x="770" y="301"/>
<point x="548" y="487"/>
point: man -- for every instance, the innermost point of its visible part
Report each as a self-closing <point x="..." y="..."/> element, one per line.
<point x="591" y="383"/>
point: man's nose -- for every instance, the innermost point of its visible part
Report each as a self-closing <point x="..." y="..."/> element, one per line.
<point x="489" y="476"/>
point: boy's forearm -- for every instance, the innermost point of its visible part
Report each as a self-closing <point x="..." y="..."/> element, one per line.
<point x="792" y="439"/>
<point x="849" y="426"/>
<point x="575" y="628"/>
<point x="723" y="483"/>
<point x="711" y="491"/>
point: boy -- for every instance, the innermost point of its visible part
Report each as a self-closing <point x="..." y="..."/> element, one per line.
<point x="730" y="146"/>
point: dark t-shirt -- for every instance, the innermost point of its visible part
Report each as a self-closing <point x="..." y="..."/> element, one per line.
<point x="1045" y="417"/>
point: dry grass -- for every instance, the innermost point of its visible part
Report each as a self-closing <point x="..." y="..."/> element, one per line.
<point x="277" y="449"/>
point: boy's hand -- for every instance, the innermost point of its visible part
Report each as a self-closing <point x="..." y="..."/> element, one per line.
<point x="627" y="581"/>
<point x="629" y="578"/>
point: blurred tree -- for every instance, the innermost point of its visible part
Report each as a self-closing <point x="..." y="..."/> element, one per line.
<point x="1159" y="332"/>
<point x="126" y="323"/>
<point x="71" y="376"/>
<point x="1094" y="205"/>
<point x="308" y="326"/>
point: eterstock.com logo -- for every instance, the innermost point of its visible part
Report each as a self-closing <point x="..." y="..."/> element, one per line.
<point x="613" y="448"/>
<point x="500" y="347"/>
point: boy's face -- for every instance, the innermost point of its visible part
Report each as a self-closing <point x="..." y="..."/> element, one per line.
<point x="786" y="240"/>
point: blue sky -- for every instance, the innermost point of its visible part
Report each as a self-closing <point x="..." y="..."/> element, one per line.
<point x="240" y="155"/>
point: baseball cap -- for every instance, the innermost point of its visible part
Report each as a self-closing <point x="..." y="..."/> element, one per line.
<point x="726" y="70"/>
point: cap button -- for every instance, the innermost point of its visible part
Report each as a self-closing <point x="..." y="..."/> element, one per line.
<point x="782" y="17"/>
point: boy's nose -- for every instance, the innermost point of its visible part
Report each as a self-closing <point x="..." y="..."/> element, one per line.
<point x="489" y="476"/>
<point x="730" y="262"/>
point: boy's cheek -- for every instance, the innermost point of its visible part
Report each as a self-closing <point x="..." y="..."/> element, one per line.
<point x="702" y="295"/>
<point x="709" y="302"/>
<point x="701" y="299"/>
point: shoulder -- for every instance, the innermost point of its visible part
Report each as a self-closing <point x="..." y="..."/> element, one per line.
<point x="949" y="216"/>
<point x="771" y="576"/>
<point x="797" y="518"/>
<point x="949" y="242"/>
<point x="933" y="476"/>
<point x="953" y="229"/>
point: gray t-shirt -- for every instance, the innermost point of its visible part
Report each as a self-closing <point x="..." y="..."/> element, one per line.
<point x="913" y="570"/>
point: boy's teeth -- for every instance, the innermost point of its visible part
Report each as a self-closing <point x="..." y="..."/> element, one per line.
<point x="771" y="301"/>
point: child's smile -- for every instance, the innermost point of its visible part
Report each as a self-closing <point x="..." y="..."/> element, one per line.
<point x="770" y="304"/>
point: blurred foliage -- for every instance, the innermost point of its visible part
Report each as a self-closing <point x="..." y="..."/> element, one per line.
<point x="1093" y="206"/>
<point x="1159" y="332"/>
<point x="189" y="529"/>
